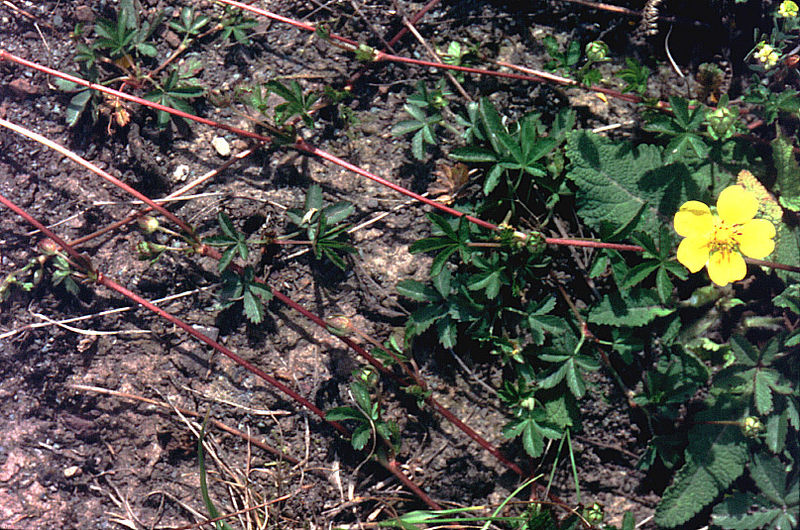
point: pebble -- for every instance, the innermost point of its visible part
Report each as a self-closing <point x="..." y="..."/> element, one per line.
<point x="181" y="172"/>
<point x="71" y="471"/>
<point x="221" y="146"/>
<point x="22" y="87"/>
<point x="84" y="13"/>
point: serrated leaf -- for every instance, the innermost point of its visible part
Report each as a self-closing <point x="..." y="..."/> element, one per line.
<point x="314" y="197"/>
<point x="253" y="307"/>
<point x="777" y="428"/>
<point x="473" y="154"/>
<point x="639" y="308"/>
<point x="417" y="146"/>
<point x="338" y="212"/>
<point x="714" y="459"/>
<point x="762" y="393"/>
<point x="416" y="291"/>
<point x="405" y="127"/>
<point x="493" y="178"/>
<point x="344" y="413"/>
<point x="361" y="436"/>
<point x="788" y="173"/>
<point x="638" y="273"/>
<point x="616" y="179"/>
<point x="770" y="478"/>
<point x="448" y="332"/>
<point x="734" y="513"/>
<point x="441" y="259"/>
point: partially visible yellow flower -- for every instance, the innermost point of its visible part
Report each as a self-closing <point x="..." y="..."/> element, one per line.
<point x="767" y="55"/>
<point x="788" y="9"/>
<point x="717" y="242"/>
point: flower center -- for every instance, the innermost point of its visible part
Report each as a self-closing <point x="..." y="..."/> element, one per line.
<point x="723" y="236"/>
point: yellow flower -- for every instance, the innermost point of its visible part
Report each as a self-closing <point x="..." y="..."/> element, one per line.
<point x="767" y="55"/>
<point x="788" y="9"/>
<point x="718" y="241"/>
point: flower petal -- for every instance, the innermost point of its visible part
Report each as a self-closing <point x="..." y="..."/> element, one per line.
<point x="693" y="253"/>
<point x="725" y="267"/>
<point x="736" y="205"/>
<point x="755" y="238"/>
<point x="693" y="219"/>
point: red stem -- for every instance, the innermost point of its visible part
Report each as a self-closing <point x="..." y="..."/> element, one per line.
<point x="114" y="286"/>
<point x="103" y="174"/>
<point x="301" y="145"/>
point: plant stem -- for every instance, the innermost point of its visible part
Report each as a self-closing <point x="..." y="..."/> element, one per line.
<point x="302" y="145"/>
<point x="102" y="279"/>
<point x="103" y="174"/>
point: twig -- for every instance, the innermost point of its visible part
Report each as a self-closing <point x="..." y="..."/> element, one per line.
<point x="436" y="58"/>
<point x="160" y="404"/>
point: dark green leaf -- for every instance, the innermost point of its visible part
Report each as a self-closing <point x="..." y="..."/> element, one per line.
<point x="416" y="291"/>
<point x="361" y="436"/>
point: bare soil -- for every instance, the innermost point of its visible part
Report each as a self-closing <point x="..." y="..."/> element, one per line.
<point x="78" y="459"/>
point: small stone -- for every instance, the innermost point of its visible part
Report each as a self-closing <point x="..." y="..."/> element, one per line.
<point x="71" y="471"/>
<point x="172" y="38"/>
<point x="221" y="146"/>
<point x="181" y="172"/>
<point x="22" y="88"/>
<point x="84" y="14"/>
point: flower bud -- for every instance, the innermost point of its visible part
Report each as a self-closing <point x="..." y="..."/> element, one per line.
<point x="596" y="51"/>
<point x="720" y="122"/>
<point x="752" y="427"/>
<point x="48" y="246"/>
<point x="148" y="224"/>
<point x="593" y="514"/>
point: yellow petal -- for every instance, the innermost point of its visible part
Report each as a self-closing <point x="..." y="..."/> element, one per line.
<point x="694" y="219"/>
<point x="693" y="253"/>
<point x="736" y="205"/>
<point x="755" y="238"/>
<point x="726" y="267"/>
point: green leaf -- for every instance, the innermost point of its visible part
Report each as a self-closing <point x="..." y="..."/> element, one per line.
<point x="361" y="395"/>
<point x="448" y="332"/>
<point x="77" y="104"/>
<point x="441" y="260"/>
<point x="344" y="413"/>
<point x="769" y="475"/>
<point x="417" y="146"/>
<point x="639" y="308"/>
<point x="253" y="307"/>
<point x="734" y="513"/>
<point x="361" y="436"/>
<point x="616" y="180"/>
<point x="416" y="291"/>
<point x="494" y="126"/>
<point x="405" y="127"/>
<point x="638" y="273"/>
<point x="473" y="154"/>
<point x="493" y="178"/>
<point x="430" y="244"/>
<point x="213" y="513"/>
<point x="715" y="458"/>
<point x="777" y="428"/>
<point x="314" y="197"/>
<point x="226" y="258"/>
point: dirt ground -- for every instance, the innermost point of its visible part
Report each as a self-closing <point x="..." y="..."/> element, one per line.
<point x="76" y="458"/>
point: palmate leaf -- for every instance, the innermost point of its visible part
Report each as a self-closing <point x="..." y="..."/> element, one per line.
<point x="617" y="180"/>
<point x="638" y="308"/>
<point x="714" y="459"/>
